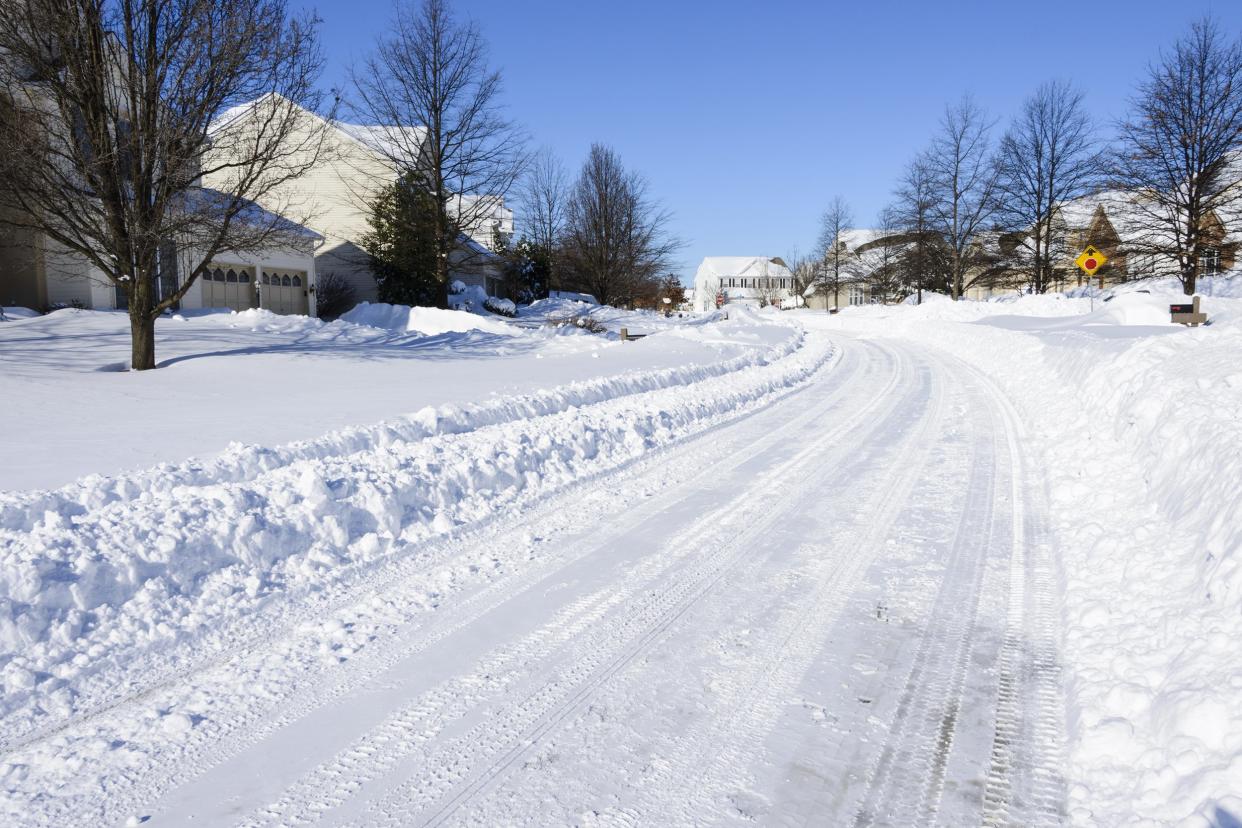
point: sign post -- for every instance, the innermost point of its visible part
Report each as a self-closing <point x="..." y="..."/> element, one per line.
<point x="1089" y="261"/>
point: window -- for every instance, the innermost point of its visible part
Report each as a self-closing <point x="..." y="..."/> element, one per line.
<point x="297" y="281"/>
<point x="266" y="279"/>
<point x="218" y="275"/>
<point x="231" y="276"/>
<point x="285" y="281"/>
<point x="244" y="278"/>
<point x="857" y="295"/>
<point x="1209" y="261"/>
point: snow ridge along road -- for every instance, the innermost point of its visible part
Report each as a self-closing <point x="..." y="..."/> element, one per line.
<point x="820" y="595"/>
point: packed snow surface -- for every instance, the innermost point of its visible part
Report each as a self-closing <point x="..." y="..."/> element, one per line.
<point x="940" y="563"/>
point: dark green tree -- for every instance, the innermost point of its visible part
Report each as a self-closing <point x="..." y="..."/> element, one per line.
<point x="402" y="245"/>
<point x="528" y="268"/>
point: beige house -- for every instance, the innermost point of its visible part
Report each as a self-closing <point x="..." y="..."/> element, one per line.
<point x="38" y="273"/>
<point x="1113" y="223"/>
<point x="355" y="164"/>
<point x="853" y="287"/>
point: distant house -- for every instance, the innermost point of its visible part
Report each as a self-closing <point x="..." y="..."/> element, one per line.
<point x="334" y="200"/>
<point x="854" y="283"/>
<point x="1114" y="223"/>
<point x="757" y="280"/>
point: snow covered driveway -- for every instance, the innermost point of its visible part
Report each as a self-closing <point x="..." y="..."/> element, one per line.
<point x="836" y="609"/>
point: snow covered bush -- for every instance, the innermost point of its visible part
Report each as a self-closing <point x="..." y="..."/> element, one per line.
<point x="504" y="307"/>
<point x="584" y="321"/>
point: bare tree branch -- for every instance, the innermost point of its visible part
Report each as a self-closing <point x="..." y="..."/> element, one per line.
<point x="615" y="243"/>
<point x="106" y="114"/>
<point x="430" y="84"/>
<point x="1046" y="158"/>
<point x="1178" y="150"/>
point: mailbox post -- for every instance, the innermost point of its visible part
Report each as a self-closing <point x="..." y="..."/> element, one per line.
<point x="1190" y="314"/>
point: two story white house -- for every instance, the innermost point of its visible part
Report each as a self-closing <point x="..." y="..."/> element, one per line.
<point x="749" y="279"/>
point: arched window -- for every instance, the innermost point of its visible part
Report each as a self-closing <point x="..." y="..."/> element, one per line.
<point x="231" y="276"/>
<point x="244" y="278"/>
<point x="218" y="275"/>
<point x="266" y="279"/>
<point x="285" y="281"/>
<point x="297" y="281"/>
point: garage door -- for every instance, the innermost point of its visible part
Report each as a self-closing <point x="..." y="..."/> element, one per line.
<point x="284" y="291"/>
<point x="228" y="287"/>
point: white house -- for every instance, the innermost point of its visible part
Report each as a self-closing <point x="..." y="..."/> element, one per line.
<point x="750" y="279"/>
<point x="333" y="199"/>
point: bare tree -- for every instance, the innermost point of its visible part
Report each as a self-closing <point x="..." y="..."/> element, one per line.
<point x="804" y="272"/>
<point x="432" y="73"/>
<point x="880" y="258"/>
<point x="1046" y="158"/>
<point x="964" y="178"/>
<point x="616" y="240"/>
<point x="836" y="221"/>
<point x="923" y="261"/>
<point x="543" y="193"/>
<point x="1178" y="151"/>
<point x="104" y="122"/>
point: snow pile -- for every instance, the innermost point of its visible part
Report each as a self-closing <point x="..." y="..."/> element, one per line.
<point x="1139" y="422"/>
<point x="427" y="321"/>
<point x="568" y="295"/>
<point x="98" y="578"/>
<point x="557" y="309"/>
<point x="12" y="314"/>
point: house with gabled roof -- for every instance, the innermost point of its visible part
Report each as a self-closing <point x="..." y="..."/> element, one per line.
<point x="39" y="273"/>
<point x="355" y="165"/>
<point x="756" y="280"/>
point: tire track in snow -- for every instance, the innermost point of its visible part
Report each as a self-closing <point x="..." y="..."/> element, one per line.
<point x="908" y="779"/>
<point x="215" y="740"/>
<point x="709" y="760"/>
<point x="585" y="666"/>
<point x="1023" y="784"/>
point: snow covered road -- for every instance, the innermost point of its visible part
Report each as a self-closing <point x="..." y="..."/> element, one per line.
<point x="837" y="609"/>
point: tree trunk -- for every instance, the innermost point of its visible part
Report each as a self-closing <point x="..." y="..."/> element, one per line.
<point x="142" y="335"/>
<point x="1188" y="279"/>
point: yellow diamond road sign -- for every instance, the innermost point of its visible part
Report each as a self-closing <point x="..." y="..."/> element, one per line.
<point x="1091" y="260"/>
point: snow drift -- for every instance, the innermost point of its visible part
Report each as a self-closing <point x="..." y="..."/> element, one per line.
<point x="427" y="321"/>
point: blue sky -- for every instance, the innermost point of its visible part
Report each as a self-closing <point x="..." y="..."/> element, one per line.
<point x="747" y="117"/>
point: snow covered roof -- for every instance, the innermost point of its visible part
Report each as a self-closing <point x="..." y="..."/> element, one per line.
<point x="202" y="199"/>
<point x="718" y="267"/>
<point x="856" y="237"/>
<point x="387" y="141"/>
<point x="1078" y="213"/>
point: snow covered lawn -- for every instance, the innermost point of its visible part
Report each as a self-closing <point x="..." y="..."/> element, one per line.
<point x="255" y="378"/>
